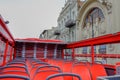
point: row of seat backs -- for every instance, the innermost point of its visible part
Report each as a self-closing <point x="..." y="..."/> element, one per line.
<point x="39" y="70"/>
<point x="15" y="70"/>
<point x="43" y="71"/>
<point x="77" y="68"/>
<point x="33" y="64"/>
<point x="13" y="77"/>
<point x="20" y="67"/>
<point x="86" y="70"/>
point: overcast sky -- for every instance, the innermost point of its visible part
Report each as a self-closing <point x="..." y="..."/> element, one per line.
<point x="28" y="18"/>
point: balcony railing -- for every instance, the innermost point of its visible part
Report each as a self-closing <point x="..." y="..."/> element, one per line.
<point x="70" y="23"/>
<point x="57" y="32"/>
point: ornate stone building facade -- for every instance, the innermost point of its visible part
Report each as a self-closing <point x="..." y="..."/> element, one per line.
<point x="66" y="28"/>
<point x="67" y="20"/>
<point x="97" y="18"/>
<point x="91" y="18"/>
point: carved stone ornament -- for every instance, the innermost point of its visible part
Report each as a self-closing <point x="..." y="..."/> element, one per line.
<point x="107" y="4"/>
<point x="111" y="47"/>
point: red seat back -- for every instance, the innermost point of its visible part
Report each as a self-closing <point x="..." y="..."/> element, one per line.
<point x="13" y="77"/>
<point x="44" y="71"/>
<point x="15" y="73"/>
<point x="61" y="76"/>
<point x="59" y="63"/>
<point x="42" y="75"/>
<point x="97" y="70"/>
<point x="33" y="70"/>
<point x="16" y="64"/>
<point x="67" y="66"/>
<point x="13" y="68"/>
<point x="82" y="70"/>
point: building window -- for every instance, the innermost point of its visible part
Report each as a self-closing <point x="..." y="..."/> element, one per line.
<point x="94" y="14"/>
<point x="73" y="13"/>
<point x="64" y="20"/>
<point x="102" y="49"/>
<point x="84" y="50"/>
<point x="92" y="23"/>
<point x="67" y="17"/>
<point x="72" y="35"/>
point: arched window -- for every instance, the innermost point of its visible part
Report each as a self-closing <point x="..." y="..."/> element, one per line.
<point x="92" y="22"/>
<point x="94" y="14"/>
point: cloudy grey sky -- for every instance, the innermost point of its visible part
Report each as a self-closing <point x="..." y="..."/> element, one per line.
<point x="28" y="18"/>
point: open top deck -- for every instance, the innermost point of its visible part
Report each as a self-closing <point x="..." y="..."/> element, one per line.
<point x="38" y="59"/>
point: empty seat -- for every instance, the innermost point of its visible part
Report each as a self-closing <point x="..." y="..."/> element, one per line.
<point x="13" y="68"/>
<point x="44" y="71"/>
<point x="59" y="63"/>
<point x="97" y="70"/>
<point x="67" y="66"/>
<point x="15" y="73"/>
<point x="16" y="64"/>
<point x="13" y="77"/>
<point x="34" y="68"/>
<point x="39" y="64"/>
<point x="60" y="76"/>
<point x="82" y="70"/>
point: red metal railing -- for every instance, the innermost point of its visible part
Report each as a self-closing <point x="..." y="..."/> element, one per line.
<point x="106" y="39"/>
<point x="6" y="41"/>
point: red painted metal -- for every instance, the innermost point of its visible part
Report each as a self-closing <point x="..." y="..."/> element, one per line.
<point x="97" y="55"/>
<point x="5" y="31"/>
<point x="5" y="53"/>
<point x="92" y="53"/>
<point x="11" y="53"/>
<point x="108" y="55"/>
<point x="118" y="63"/>
<point x="106" y="39"/>
<point x="81" y="55"/>
<point x="6" y="36"/>
<point x="73" y="53"/>
<point x="63" y="54"/>
<point x="37" y="40"/>
<point x="14" y="54"/>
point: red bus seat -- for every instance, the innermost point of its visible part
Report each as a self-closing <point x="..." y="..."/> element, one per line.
<point x="44" y="71"/>
<point x="39" y="64"/>
<point x="42" y="75"/>
<point x="60" y="63"/>
<point x="97" y="70"/>
<point x="13" y="68"/>
<point x="67" y="66"/>
<point x="82" y="70"/>
<point x="13" y="77"/>
<point x="60" y="76"/>
<point x="16" y="64"/>
<point x="15" y="73"/>
<point x="34" y="68"/>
